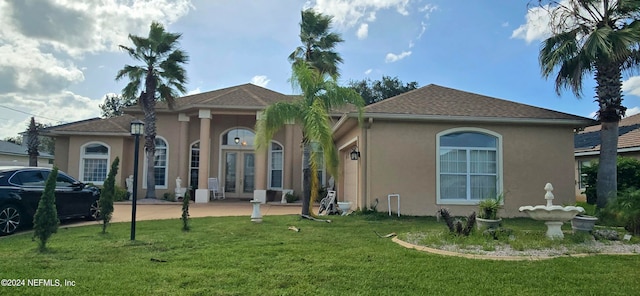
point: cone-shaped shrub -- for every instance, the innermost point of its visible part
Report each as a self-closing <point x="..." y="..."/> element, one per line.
<point x="107" y="195"/>
<point x="45" y="221"/>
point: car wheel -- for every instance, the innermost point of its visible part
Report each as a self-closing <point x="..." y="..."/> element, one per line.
<point x="10" y="219"/>
<point x="94" y="211"/>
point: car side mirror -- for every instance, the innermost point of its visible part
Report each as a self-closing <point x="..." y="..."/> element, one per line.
<point x="78" y="185"/>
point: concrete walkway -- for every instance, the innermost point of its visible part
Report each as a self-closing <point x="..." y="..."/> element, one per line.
<point x="158" y="210"/>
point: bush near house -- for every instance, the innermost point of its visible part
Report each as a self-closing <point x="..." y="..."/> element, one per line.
<point x="107" y="195"/>
<point x="628" y="177"/>
<point x="45" y="221"/>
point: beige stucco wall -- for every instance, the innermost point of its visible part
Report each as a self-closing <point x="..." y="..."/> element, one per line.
<point x="402" y="159"/>
<point x="72" y="153"/>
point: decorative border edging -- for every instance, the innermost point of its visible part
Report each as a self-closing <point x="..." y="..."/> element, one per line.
<point x="489" y="257"/>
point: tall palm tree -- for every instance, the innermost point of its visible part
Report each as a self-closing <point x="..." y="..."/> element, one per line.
<point x="599" y="37"/>
<point x="319" y="94"/>
<point x="160" y="77"/>
<point x="317" y="43"/>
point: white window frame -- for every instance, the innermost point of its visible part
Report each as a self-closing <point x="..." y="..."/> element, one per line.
<point x="271" y="169"/>
<point x="191" y="149"/>
<point x="83" y="157"/>
<point x="166" y="168"/>
<point x="323" y="171"/>
<point x="499" y="163"/>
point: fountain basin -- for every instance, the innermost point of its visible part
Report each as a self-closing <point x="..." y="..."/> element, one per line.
<point x="552" y="213"/>
<point x="344" y="206"/>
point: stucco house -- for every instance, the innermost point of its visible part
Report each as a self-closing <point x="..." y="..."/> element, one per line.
<point x="587" y="147"/>
<point x="14" y="154"/>
<point x="434" y="146"/>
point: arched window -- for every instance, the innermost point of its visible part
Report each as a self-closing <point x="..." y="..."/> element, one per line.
<point x="275" y="165"/>
<point x="160" y="164"/>
<point x="239" y="137"/>
<point x="94" y="163"/>
<point x="468" y="166"/>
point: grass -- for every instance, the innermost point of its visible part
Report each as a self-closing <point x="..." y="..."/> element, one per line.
<point x="233" y="256"/>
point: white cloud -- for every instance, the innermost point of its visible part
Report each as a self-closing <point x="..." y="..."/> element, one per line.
<point x="194" y="91"/>
<point x="505" y="24"/>
<point x="632" y="111"/>
<point x="348" y="13"/>
<point x="428" y="9"/>
<point x="363" y="31"/>
<point x="536" y="26"/>
<point x="391" y="57"/>
<point x="368" y="71"/>
<point x="260" y="80"/>
<point x="41" y="43"/>
<point x="632" y="86"/>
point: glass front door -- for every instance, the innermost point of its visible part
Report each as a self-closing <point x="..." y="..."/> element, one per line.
<point x="239" y="174"/>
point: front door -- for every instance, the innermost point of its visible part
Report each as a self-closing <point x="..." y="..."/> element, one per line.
<point x="239" y="174"/>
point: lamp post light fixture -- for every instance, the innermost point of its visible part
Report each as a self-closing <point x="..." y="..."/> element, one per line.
<point x="355" y="154"/>
<point x="137" y="129"/>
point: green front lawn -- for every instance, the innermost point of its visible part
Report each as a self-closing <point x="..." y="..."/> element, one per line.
<point x="233" y="256"/>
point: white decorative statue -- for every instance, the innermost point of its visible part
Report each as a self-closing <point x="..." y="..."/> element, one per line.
<point x="129" y="183"/>
<point x="180" y="191"/>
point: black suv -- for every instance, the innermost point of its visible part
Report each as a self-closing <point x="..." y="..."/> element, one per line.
<point x="22" y="187"/>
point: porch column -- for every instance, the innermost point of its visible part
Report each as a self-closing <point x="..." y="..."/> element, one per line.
<point x="183" y="146"/>
<point x="260" y="172"/>
<point x="289" y="149"/>
<point x="202" y="193"/>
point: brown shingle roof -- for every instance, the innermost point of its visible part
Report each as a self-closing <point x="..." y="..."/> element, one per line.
<point x="106" y="126"/>
<point x="435" y="100"/>
<point x="245" y="96"/>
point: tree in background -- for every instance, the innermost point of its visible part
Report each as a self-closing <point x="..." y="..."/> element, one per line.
<point x="599" y="37"/>
<point x="114" y="105"/>
<point x="378" y="90"/>
<point x="33" y="141"/>
<point x="107" y="195"/>
<point x="160" y="77"/>
<point x="45" y="221"/>
<point x="318" y="43"/>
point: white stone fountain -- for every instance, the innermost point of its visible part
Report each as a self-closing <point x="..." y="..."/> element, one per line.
<point x="345" y="206"/>
<point x="553" y="215"/>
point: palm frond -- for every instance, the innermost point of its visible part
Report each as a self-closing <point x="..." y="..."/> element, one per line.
<point x="273" y="118"/>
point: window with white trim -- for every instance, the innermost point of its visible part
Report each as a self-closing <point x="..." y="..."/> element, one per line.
<point x="160" y="164"/>
<point x="94" y="163"/>
<point x="321" y="165"/>
<point x="276" y="158"/>
<point x="468" y="165"/>
<point x="194" y="165"/>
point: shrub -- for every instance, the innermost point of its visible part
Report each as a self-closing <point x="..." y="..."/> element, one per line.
<point x="45" y="221"/>
<point x="455" y="225"/>
<point x="120" y="193"/>
<point x="625" y="210"/>
<point x="169" y="196"/>
<point x="185" y="211"/>
<point x="628" y="176"/>
<point x="290" y="197"/>
<point x="107" y="195"/>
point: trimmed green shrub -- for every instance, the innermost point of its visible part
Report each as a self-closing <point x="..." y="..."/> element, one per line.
<point x="107" y="195"/>
<point x="624" y="211"/>
<point x="185" y="211"/>
<point x="120" y="193"/>
<point x="628" y="175"/>
<point x="45" y="221"/>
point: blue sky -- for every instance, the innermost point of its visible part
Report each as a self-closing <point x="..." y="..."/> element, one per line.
<point x="59" y="58"/>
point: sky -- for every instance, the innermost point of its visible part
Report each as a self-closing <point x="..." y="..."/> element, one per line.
<point x="59" y="58"/>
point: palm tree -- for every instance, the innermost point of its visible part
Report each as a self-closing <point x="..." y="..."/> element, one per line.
<point x="160" y="77"/>
<point x="599" y="37"/>
<point x="317" y="43"/>
<point x="319" y="94"/>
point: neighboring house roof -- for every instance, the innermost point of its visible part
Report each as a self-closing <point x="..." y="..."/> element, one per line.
<point x="8" y="148"/>
<point x="114" y="126"/>
<point x="587" y="142"/>
<point x="434" y="102"/>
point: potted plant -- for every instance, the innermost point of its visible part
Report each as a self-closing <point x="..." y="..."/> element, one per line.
<point x="488" y="212"/>
<point x="585" y="221"/>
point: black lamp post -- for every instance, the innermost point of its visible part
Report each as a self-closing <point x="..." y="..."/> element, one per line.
<point x="137" y="129"/>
